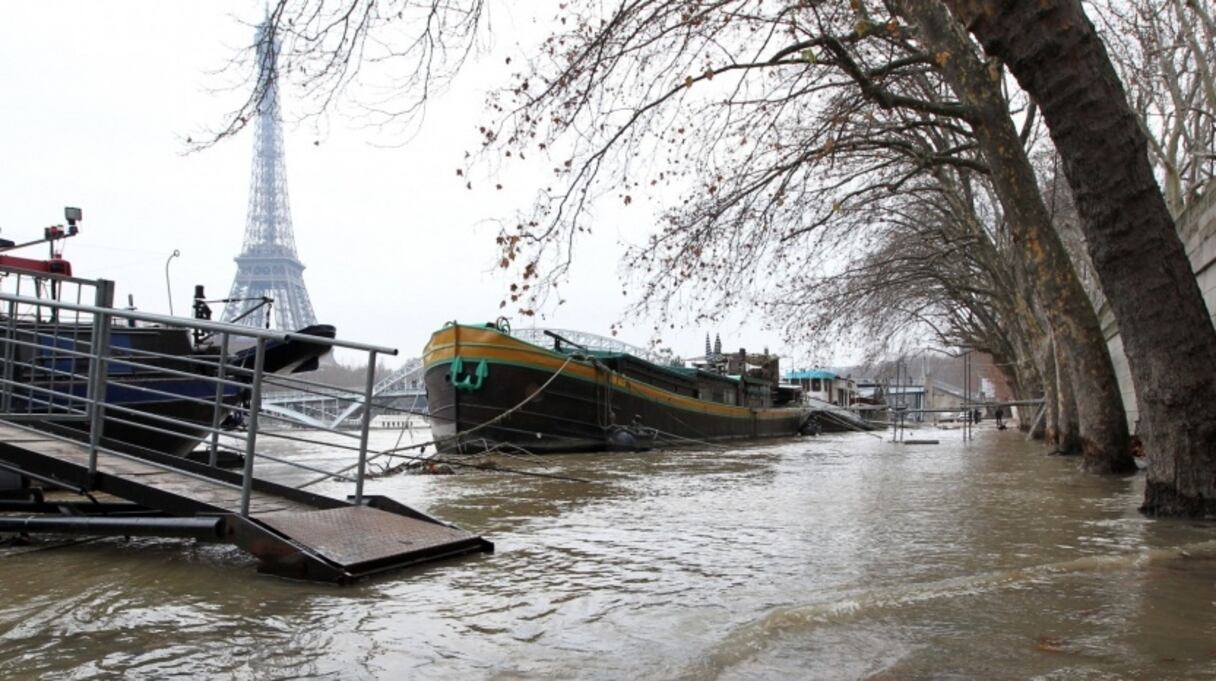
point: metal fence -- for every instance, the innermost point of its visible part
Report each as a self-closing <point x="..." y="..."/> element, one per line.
<point x="123" y="381"/>
<point x="538" y="336"/>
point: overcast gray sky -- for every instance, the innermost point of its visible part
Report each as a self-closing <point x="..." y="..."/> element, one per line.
<point x="98" y="99"/>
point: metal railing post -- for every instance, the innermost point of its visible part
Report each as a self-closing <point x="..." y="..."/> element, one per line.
<point x="364" y="425"/>
<point x="99" y="349"/>
<point x="10" y="356"/>
<point x="218" y="411"/>
<point x="251" y="437"/>
<point x="103" y="293"/>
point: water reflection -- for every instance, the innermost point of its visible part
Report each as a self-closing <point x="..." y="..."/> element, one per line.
<point x="831" y="557"/>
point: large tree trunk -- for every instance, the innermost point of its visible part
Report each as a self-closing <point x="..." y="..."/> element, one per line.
<point x="1068" y="425"/>
<point x="1051" y="396"/>
<point x="1028" y="385"/>
<point x="1040" y="354"/>
<point x="1094" y="420"/>
<point x="1029" y="370"/>
<point x="1054" y="52"/>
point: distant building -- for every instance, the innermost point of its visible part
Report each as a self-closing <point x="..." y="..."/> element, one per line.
<point x="825" y="385"/>
<point x="909" y="398"/>
<point x="765" y="366"/>
<point x="943" y="396"/>
<point x="938" y="401"/>
<point x="870" y="391"/>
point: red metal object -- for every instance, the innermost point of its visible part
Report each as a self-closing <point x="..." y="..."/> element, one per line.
<point x="52" y="266"/>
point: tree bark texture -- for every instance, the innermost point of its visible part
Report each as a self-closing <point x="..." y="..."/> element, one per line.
<point x="1094" y="420"/>
<point x="1027" y="388"/>
<point x="1051" y="47"/>
<point x="1051" y="396"/>
<point x="1028" y="338"/>
<point x="1068" y="439"/>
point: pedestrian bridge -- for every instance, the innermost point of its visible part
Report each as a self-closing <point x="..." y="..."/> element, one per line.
<point x="401" y="392"/>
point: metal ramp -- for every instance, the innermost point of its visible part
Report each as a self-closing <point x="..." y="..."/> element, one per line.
<point x="293" y="533"/>
<point x="106" y="400"/>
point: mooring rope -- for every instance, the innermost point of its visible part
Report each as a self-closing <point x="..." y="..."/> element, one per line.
<point x="496" y="419"/>
<point x="395" y="451"/>
<point x="481" y="467"/>
<point x="693" y="440"/>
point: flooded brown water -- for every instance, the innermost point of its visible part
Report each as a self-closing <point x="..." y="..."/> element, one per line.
<point x="837" y="557"/>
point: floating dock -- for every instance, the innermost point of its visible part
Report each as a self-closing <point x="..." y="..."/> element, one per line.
<point x="292" y="533"/>
<point x="105" y="402"/>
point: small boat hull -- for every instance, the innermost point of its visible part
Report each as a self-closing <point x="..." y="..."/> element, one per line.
<point x="140" y="399"/>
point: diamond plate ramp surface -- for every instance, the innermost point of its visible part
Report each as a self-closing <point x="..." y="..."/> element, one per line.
<point x="354" y="535"/>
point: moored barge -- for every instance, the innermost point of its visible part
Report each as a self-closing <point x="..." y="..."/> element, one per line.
<point x="487" y="389"/>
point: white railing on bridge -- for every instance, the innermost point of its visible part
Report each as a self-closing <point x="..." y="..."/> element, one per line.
<point x="591" y="341"/>
<point x="405" y="381"/>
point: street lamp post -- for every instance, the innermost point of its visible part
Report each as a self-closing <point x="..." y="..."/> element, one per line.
<point x="168" y="286"/>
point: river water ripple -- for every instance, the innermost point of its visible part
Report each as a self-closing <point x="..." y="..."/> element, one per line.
<point x="837" y="557"/>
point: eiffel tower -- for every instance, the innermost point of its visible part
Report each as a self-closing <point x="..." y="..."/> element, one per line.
<point x="268" y="267"/>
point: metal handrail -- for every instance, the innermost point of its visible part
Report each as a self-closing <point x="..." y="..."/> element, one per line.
<point x="202" y="324"/>
<point x="42" y="390"/>
<point x="152" y="368"/>
<point x="52" y="370"/>
<point x="126" y="360"/>
<point x="36" y="382"/>
<point x="52" y="276"/>
<point x="157" y="464"/>
<point x="59" y="408"/>
<point x="400" y="373"/>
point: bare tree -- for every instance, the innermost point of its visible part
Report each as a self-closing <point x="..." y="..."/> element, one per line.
<point x="1053" y="50"/>
<point x="791" y="125"/>
<point x="1165" y="52"/>
<point x="938" y="269"/>
<point x="389" y="59"/>
<point x="1102" y="434"/>
<point x="779" y="129"/>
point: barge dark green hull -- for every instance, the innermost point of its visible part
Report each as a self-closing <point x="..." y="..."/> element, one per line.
<point x="488" y="390"/>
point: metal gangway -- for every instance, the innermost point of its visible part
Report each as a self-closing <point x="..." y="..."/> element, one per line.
<point x="832" y="417"/>
<point x="81" y="404"/>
